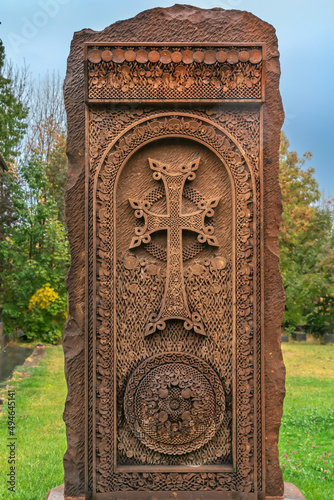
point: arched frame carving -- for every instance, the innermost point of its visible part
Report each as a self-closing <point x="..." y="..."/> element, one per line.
<point x="106" y="162"/>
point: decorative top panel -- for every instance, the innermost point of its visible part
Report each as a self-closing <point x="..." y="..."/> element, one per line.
<point x="153" y="73"/>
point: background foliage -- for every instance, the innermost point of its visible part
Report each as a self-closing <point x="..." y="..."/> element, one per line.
<point x="306" y="245"/>
<point x="34" y="255"/>
<point x="12" y="113"/>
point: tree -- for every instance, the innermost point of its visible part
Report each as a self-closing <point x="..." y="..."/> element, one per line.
<point x="306" y="245"/>
<point x="46" y="137"/>
<point x="35" y="250"/>
<point x="56" y="168"/>
<point x="34" y="253"/>
<point x="13" y="114"/>
<point x="54" y="160"/>
<point x="46" y="116"/>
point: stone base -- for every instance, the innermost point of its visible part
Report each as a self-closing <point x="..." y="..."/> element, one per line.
<point x="58" y="494"/>
<point x="328" y="338"/>
<point x="299" y="336"/>
<point x="291" y="492"/>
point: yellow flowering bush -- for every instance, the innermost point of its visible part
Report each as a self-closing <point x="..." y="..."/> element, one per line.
<point x="43" y="297"/>
<point x="47" y="312"/>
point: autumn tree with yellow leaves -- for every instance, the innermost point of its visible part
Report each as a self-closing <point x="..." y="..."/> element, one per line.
<point x="306" y="245"/>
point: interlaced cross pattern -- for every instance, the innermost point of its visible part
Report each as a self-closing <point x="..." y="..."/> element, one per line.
<point x="174" y="303"/>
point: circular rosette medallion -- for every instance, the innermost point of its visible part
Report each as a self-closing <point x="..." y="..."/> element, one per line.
<point x="174" y="403"/>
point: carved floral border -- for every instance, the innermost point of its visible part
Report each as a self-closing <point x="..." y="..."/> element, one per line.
<point x="153" y="73"/>
<point x="220" y="141"/>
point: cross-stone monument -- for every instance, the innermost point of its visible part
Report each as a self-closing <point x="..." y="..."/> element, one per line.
<point x="173" y="361"/>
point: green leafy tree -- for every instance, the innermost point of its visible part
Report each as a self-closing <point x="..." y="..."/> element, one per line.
<point x="34" y="253"/>
<point x="12" y="114"/>
<point x="306" y="245"/>
<point x="35" y="250"/>
<point x="56" y="168"/>
<point x="48" y="140"/>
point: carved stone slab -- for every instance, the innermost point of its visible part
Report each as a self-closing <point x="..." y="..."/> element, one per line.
<point x="175" y="296"/>
<point x="182" y="72"/>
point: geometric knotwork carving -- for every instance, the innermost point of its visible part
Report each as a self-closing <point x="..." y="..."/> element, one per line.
<point x="174" y="403"/>
<point x="221" y="288"/>
<point x="174" y="176"/>
<point x="188" y="251"/>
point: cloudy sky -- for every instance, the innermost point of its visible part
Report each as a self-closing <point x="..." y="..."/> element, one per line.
<point x="40" y="32"/>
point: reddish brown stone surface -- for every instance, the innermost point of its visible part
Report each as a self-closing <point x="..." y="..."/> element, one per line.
<point x="193" y="25"/>
<point x="291" y="492"/>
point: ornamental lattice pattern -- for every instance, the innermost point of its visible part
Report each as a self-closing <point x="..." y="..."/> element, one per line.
<point x="156" y="73"/>
<point x="129" y="285"/>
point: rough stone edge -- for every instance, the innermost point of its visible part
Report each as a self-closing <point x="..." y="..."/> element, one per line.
<point x="199" y="25"/>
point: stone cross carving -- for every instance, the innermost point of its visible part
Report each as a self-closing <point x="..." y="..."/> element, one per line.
<point x="174" y="303"/>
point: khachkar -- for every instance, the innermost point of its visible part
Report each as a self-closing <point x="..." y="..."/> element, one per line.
<point x="173" y="363"/>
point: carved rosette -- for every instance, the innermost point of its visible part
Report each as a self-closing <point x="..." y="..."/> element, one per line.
<point x="210" y="133"/>
<point x="174" y="403"/>
<point x="153" y="73"/>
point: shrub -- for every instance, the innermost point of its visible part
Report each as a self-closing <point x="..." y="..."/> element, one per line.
<point x="46" y="315"/>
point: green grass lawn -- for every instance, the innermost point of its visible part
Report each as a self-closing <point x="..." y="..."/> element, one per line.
<point x="40" y="430"/>
<point x="306" y="439"/>
<point x="307" y="433"/>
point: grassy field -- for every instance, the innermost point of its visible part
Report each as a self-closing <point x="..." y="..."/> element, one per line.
<point x="306" y="439"/>
<point x="307" y="433"/>
<point x="40" y="430"/>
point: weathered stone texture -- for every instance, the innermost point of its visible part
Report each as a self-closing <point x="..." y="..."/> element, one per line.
<point x="189" y="24"/>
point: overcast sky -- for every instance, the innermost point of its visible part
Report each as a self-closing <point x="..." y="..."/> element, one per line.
<point x="40" y="32"/>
